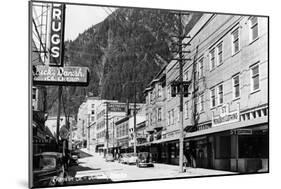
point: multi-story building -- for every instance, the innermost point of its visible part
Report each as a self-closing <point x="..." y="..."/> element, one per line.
<point x="86" y="121"/>
<point x="156" y="117"/>
<point x="230" y="83"/>
<point x="226" y="113"/>
<point x="101" y="124"/>
<point x="122" y="134"/>
<point x="112" y="133"/>
<point x="140" y="118"/>
<point x="110" y="110"/>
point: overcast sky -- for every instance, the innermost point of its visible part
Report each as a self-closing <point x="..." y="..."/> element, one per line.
<point x="79" y="18"/>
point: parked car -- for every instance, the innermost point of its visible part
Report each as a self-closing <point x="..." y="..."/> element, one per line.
<point x="132" y="160"/>
<point x="144" y="160"/>
<point x="109" y="157"/>
<point x="48" y="169"/>
<point x="124" y="158"/>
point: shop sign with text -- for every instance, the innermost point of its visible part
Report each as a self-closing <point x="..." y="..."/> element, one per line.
<point x="56" y="34"/>
<point x="117" y="107"/>
<point x="65" y="76"/>
<point x="226" y="116"/>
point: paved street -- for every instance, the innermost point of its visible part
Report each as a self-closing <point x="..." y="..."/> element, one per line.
<point x="93" y="164"/>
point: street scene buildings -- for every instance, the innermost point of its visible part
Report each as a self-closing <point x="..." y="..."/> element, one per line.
<point x="203" y="111"/>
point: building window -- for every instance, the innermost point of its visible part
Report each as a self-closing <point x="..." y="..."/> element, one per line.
<point x="201" y="102"/>
<point x="254" y="28"/>
<point x="93" y="111"/>
<point x="201" y="68"/>
<point x="172" y="117"/>
<point x="159" y="114"/>
<point x="196" y="104"/>
<point x="159" y="91"/>
<point x="34" y="90"/>
<point x="255" y="83"/>
<point x="169" y="92"/>
<point x="169" y="117"/>
<point x="93" y="106"/>
<point x="186" y="110"/>
<point x="151" y="97"/>
<point x="219" y="49"/>
<point x="185" y="76"/>
<point x="93" y="118"/>
<point x="235" y="41"/>
<point x="236" y="86"/>
<point x="212" y="59"/>
<point x="220" y="94"/>
<point x="178" y="113"/>
<point x="213" y="97"/>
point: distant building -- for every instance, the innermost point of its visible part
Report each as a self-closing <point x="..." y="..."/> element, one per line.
<point x="140" y="118"/>
<point x="86" y="122"/>
<point x="107" y="110"/>
<point x="122" y="134"/>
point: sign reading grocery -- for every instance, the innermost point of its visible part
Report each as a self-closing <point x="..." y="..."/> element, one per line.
<point x="67" y="76"/>
<point x="226" y="116"/>
<point x="56" y="34"/>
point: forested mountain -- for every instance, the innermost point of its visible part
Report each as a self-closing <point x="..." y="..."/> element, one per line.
<point x="128" y="48"/>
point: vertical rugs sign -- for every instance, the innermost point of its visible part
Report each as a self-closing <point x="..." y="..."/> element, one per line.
<point x="56" y="34"/>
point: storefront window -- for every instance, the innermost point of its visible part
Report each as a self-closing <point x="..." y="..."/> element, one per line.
<point x="173" y="155"/>
<point x="223" y="147"/>
<point x="255" y="146"/>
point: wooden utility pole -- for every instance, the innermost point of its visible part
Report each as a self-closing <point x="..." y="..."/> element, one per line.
<point x="58" y="115"/>
<point x="135" y="121"/>
<point x="180" y="87"/>
<point x="106" y="133"/>
<point x="181" y="95"/>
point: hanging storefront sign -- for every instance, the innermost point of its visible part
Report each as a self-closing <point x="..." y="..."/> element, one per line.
<point x="64" y="76"/>
<point x="241" y="132"/>
<point x="56" y="34"/>
<point x="226" y="116"/>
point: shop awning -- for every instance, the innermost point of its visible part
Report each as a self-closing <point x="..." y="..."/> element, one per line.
<point x="175" y="137"/>
<point x="144" y="144"/>
<point x="158" y="127"/>
<point x="237" y="125"/>
<point x="150" y="130"/>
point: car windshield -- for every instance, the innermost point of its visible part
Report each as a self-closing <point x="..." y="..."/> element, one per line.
<point x="44" y="162"/>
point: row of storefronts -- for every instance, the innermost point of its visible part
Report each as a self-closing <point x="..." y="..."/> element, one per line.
<point x="226" y="117"/>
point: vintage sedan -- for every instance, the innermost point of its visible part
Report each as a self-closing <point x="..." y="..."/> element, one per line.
<point x="144" y="160"/>
<point x="124" y="158"/>
<point x="132" y="160"/>
<point x="48" y="169"/>
<point x="109" y="157"/>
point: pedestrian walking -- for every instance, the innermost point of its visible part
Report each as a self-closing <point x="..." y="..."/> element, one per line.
<point x="184" y="162"/>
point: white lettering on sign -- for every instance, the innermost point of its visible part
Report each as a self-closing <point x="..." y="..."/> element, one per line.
<point x="56" y="37"/>
<point x="60" y="74"/>
<point x="226" y="116"/>
<point x="56" y="12"/>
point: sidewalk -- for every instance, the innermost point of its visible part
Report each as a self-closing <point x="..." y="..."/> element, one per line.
<point x="167" y="170"/>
